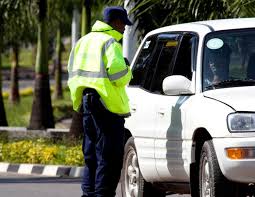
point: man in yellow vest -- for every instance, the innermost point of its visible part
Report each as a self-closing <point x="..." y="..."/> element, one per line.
<point x="98" y="75"/>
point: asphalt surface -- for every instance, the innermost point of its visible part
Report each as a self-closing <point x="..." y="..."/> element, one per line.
<point x="18" y="185"/>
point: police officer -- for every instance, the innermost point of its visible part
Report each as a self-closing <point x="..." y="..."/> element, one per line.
<point x="98" y="75"/>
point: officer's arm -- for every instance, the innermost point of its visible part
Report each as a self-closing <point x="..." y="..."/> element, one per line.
<point x="118" y="72"/>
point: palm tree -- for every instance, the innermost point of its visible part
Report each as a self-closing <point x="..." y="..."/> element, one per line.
<point x="14" y="89"/>
<point x="59" y="16"/>
<point x="3" y="120"/>
<point x="86" y="17"/>
<point x="17" y="31"/>
<point x="3" y="9"/>
<point x="42" y="113"/>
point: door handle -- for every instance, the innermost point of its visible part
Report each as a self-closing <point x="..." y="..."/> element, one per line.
<point x="133" y="108"/>
<point x="161" y="112"/>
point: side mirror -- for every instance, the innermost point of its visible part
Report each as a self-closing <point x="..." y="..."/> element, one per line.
<point x="176" y="85"/>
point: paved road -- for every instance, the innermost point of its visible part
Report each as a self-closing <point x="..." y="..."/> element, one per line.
<point x="17" y="185"/>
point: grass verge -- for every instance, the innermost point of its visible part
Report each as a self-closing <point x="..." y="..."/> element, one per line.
<point x="19" y="114"/>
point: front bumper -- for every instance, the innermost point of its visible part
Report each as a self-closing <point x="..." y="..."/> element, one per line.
<point x="239" y="170"/>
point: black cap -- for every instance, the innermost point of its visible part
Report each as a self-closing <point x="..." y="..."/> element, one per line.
<point x="116" y="12"/>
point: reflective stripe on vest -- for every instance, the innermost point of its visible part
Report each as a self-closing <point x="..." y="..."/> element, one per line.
<point x="102" y="73"/>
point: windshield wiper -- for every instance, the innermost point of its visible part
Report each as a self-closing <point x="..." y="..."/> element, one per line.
<point x="232" y="83"/>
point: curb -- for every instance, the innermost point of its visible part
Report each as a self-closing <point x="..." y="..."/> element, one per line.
<point x="46" y="170"/>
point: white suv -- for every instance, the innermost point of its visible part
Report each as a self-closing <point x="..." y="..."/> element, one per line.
<point x="192" y="98"/>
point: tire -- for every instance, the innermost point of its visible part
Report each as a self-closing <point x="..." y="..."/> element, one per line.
<point x="132" y="181"/>
<point x="212" y="182"/>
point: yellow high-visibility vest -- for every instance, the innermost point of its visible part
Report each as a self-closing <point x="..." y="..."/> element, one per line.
<point x="96" y="61"/>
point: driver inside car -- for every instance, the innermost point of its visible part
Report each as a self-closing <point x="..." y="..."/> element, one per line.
<point x="218" y="60"/>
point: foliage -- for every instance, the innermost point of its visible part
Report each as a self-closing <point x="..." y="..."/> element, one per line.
<point x="60" y="12"/>
<point x="175" y="11"/>
<point x="74" y="156"/>
<point x="18" y="24"/>
<point x="41" y="151"/>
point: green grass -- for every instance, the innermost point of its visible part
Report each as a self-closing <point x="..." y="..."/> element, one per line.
<point x="19" y="115"/>
<point x="25" y="58"/>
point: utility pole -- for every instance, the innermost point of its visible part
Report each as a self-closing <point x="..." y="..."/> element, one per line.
<point x="75" y="26"/>
<point x="130" y="37"/>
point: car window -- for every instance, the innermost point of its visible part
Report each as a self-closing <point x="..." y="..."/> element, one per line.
<point x="175" y="58"/>
<point x="185" y="57"/>
<point x="166" y="50"/>
<point x="143" y="62"/>
<point x="229" y="58"/>
<point x="154" y="61"/>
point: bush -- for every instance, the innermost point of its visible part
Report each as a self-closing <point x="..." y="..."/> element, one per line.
<point x="41" y="151"/>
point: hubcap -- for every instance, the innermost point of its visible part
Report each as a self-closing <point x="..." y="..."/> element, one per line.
<point x="131" y="175"/>
<point x="206" y="191"/>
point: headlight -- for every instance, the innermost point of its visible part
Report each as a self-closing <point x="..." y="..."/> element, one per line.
<point x="239" y="122"/>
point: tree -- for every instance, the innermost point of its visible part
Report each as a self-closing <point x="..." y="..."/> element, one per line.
<point x="86" y="17"/>
<point x="59" y="15"/>
<point x="3" y="120"/>
<point x="42" y="113"/>
<point x="17" y="32"/>
<point x="16" y="28"/>
<point x="8" y="10"/>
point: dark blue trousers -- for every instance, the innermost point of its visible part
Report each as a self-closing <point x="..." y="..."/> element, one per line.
<point x="103" y="147"/>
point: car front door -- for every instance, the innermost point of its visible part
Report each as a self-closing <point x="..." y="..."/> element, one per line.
<point x="170" y="146"/>
<point x="157" y="49"/>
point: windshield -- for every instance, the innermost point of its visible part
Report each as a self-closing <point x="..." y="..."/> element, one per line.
<point x="229" y="59"/>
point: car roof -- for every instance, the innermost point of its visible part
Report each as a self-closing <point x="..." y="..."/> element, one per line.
<point x="210" y="25"/>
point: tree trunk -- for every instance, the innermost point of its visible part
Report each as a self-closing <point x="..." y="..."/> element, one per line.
<point x="76" y="128"/>
<point x="86" y="17"/>
<point x="14" y="90"/>
<point x="58" y="93"/>
<point x="42" y="113"/>
<point x="34" y="52"/>
<point x="3" y="120"/>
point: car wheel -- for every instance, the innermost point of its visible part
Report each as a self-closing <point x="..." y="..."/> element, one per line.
<point x="132" y="181"/>
<point x="212" y="182"/>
